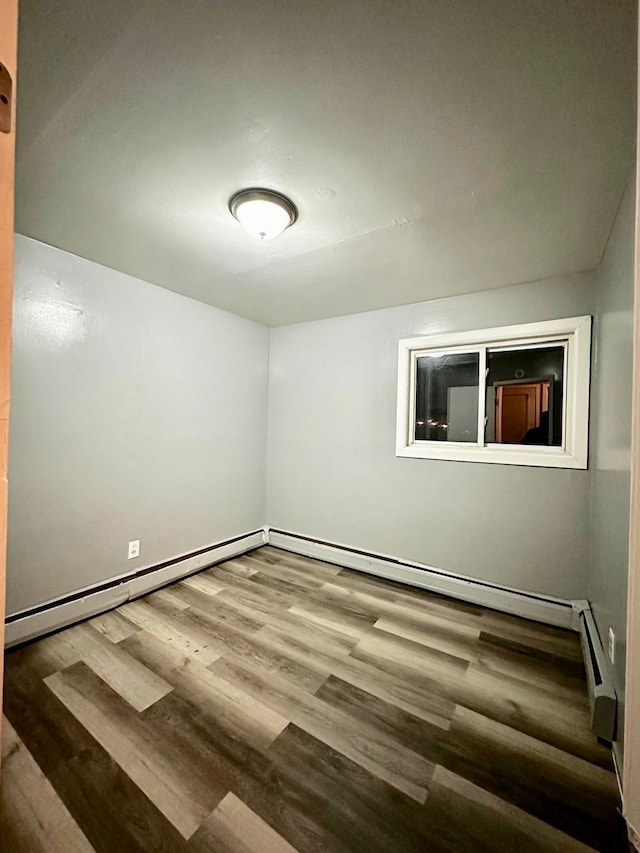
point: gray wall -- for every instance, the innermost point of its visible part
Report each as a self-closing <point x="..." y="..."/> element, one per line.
<point x="611" y="435"/>
<point x="136" y="414"/>
<point x="332" y="472"/>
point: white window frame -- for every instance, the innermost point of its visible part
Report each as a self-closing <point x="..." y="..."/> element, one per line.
<point x="573" y="332"/>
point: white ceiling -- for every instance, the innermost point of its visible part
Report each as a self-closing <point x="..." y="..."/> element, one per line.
<point x="433" y="147"/>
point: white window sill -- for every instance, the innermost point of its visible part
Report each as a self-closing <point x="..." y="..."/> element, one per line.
<point x="542" y="457"/>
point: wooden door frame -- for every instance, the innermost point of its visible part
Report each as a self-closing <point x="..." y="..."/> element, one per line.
<point x="8" y="58"/>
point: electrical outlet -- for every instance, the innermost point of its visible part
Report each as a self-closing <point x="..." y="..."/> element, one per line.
<point x="612" y="645"/>
<point x="134" y="549"/>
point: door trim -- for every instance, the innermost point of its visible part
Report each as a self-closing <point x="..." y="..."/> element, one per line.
<point x="8" y="59"/>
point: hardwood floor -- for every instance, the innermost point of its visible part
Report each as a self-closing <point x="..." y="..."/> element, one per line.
<point x="275" y="703"/>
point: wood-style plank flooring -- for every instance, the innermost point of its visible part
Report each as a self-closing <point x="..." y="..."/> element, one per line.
<point x="275" y="703"/>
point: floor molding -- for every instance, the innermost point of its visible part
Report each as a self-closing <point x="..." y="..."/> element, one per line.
<point x="81" y="604"/>
<point x="552" y="611"/>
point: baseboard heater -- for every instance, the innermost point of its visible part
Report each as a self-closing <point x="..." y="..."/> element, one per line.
<point x="58" y="613"/>
<point x="602" y="696"/>
<point x="529" y="605"/>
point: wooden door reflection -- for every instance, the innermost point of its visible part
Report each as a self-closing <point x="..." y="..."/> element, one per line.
<point x="519" y="408"/>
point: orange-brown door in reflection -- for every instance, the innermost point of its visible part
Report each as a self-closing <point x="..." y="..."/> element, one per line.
<point x="518" y="409"/>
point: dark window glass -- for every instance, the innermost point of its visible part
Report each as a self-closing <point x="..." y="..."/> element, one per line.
<point x="447" y="397"/>
<point x="525" y="390"/>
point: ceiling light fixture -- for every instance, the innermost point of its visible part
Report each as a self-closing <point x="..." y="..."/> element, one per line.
<point x="263" y="213"/>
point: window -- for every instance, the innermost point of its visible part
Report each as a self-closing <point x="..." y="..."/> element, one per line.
<point x="515" y="395"/>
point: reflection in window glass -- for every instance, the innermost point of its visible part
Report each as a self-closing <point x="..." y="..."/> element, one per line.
<point x="525" y="390"/>
<point x="447" y="397"/>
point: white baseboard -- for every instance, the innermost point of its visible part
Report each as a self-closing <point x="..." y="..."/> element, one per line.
<point x="83" y="603"/>
<point x="552" y="611"/>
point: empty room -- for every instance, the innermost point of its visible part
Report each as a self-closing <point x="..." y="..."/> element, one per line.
<point x="320" y="482"/>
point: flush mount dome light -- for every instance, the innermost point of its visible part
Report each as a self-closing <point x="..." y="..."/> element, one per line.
<point x="263" y="213"/>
